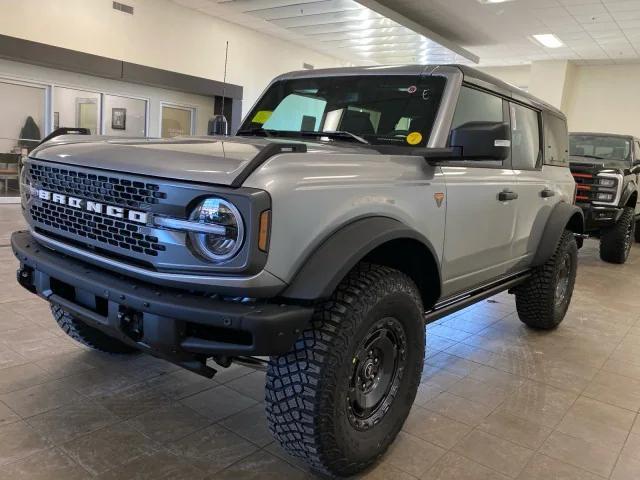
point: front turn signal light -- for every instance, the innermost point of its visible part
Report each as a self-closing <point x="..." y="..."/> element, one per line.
<point x="264" y="230"/>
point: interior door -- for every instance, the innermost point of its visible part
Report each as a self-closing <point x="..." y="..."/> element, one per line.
<point x="481" y="205"/>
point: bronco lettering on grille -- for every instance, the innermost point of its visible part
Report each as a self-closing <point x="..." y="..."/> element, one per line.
<point x="96" y="207"/>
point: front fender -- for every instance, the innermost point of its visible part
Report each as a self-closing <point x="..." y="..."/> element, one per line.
<point x="325" y="268"/>
<point x="629" y="189"/>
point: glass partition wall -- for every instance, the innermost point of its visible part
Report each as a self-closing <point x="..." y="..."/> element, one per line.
<point x="22" y="125"/>
<point x="31" y="111"/>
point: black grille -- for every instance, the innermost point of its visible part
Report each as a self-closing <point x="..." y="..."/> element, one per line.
<point x="119" y="233"/>
<point x="104" y="188"/>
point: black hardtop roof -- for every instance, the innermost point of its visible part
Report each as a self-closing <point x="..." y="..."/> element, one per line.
<point x="604" y="134"/>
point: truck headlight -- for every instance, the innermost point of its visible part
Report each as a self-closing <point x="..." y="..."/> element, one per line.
<point x="218" y="244"/>
<point x="608" y="182"/>
<point x="605" y="197"/>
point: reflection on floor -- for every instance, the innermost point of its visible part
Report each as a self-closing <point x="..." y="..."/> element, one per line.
<point x="497" y="400"/>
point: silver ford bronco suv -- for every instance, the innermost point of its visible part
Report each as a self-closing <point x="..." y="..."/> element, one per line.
<point x="352" y="207"/>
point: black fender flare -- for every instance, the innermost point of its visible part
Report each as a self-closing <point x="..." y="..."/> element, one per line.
<point x="562" y="216"/>
<point x="629" y="189"/>
<point x="329" y="263"/>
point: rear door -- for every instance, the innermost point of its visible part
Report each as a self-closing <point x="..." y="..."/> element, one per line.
<point x="539" y="186"/>
<point x="480" y="226"/>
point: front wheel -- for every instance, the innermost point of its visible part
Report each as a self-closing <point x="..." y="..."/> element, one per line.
<point x="542" y="301"/>
<point x="616" y="241"/>
<point x="89" y="336"/>
<point x="340" y="397"/>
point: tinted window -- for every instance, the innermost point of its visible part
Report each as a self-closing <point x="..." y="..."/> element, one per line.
<point x="600" y="147"/>
<point x="476" y="106"/>
<point x="556" y="140"/>
<point x="381" y="109"/>
<point x="525" y="138"/>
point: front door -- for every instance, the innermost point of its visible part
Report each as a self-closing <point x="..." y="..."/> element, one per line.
<point x="481" y="204"/>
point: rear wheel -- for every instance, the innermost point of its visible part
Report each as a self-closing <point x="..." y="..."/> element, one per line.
<point x="341" y="396"/>
<point x="88" y="336"/>
<point x="616" y="241"/>
<point x="542" y="301"/>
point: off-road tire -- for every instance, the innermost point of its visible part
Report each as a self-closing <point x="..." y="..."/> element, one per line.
<point x="536" y="298"/>
<point x="89" y="336"/>
<point x="306" y="399"/>
<point x="613" y="246"/>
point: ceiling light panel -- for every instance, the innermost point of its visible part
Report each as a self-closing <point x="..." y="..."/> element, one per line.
<point x="548" y="40"/>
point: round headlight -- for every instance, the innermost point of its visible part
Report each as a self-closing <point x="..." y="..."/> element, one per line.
<point x="218" y="246"/>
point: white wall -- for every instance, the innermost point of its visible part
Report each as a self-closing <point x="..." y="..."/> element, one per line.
<point x="597" y="98"/>
<point x="605" y="99"/>
<point x="519" y="76"/>
<point x="160" y="34"/>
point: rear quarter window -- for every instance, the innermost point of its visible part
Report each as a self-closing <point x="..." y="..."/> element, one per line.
<point x="556" y="140"/>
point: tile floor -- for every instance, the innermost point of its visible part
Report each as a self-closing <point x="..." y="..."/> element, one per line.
<point x="497" y="400"/>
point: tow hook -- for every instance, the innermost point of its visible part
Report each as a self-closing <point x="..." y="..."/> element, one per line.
<point x="582" y="236"/>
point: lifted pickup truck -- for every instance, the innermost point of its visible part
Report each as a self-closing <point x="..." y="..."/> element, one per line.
<point x="606" y="168"/>
<point x="352" y="206"/>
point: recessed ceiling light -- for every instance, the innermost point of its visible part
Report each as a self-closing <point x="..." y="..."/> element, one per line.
<point x="548" y="40"/>
<point x="487" y="2"/>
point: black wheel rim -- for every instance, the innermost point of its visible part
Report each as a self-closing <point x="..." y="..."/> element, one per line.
<point x="377" y="369"/>
<point x="563" y="278"/>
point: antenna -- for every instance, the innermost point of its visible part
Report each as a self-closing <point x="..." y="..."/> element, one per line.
<point x="224" y="85"/>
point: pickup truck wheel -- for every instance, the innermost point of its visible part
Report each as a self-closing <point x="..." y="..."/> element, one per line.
<point x="88" y="336"/>
<point x="341" y="395"/>
<point x="542" y="301"/>
<point x="616" y="241"/>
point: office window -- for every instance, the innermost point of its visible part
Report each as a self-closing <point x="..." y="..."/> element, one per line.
<point x="76" y="109"/>
<point x="123" y="116"/>
<point x="177" y="121"/>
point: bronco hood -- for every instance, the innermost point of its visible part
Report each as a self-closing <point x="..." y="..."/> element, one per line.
<point x="216" y="160"/>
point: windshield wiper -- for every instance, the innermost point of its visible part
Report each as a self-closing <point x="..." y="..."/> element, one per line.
<point x="590" y="156"/>
<point x="336" y="134"/>
<point x="256" y="131"/>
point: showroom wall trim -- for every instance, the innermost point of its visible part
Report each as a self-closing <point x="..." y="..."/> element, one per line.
<point x="26" y="51"/>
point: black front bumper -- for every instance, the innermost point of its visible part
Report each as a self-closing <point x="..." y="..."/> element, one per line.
<point x="180" y="326"/>
<point x="597" y="217"/>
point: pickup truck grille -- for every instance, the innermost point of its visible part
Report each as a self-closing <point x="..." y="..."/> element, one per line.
<point x="104" y="188"/>
<point x="586" y="186"/>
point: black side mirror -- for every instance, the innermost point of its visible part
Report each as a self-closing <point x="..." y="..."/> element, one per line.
<point x="482" y="140"/>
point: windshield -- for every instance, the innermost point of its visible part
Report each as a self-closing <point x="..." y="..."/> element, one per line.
<point x="600" y="147"/>
<point x="380" y="110"/>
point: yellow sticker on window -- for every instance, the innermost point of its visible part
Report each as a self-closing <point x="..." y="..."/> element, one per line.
<point x="414" y="138"/>
<point x="261" y="117"/>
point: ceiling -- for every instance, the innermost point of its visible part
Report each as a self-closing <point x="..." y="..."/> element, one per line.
<point x="444" y="31"/>
<point x="340" y="28"/>
<point x="500" y="34"/>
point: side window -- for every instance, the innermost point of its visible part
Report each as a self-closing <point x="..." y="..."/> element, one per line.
<point x="478" y="106"/>
<point x="556" y="140"/>
<point x="525" y="138"/>
<point x="637" y="155"/>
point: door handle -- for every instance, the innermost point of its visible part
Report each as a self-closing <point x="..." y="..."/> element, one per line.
<point x="506" y="195"/>
<point x="547" y="192"/>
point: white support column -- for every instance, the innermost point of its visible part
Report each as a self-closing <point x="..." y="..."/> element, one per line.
<point x="551" y="80"/>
